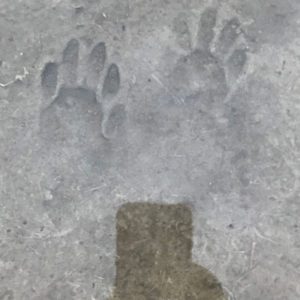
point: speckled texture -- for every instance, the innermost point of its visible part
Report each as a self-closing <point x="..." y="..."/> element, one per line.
<point x="108" y="102"/>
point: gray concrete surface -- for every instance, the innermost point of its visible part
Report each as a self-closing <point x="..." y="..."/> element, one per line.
<point x="199" y="104"/>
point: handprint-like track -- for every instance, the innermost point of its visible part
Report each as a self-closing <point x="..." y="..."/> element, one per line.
<point x="204" y="72"/>
<point x="76" y="113"/>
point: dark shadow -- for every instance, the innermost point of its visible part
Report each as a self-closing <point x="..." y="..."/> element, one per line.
<point x="154" y="244"/>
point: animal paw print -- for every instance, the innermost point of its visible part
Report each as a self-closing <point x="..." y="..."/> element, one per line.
<point x="82" y="110"/>
<point x="206" y="72"/>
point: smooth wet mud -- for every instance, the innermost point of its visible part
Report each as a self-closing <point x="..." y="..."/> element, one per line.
<point x="154" y="244"/>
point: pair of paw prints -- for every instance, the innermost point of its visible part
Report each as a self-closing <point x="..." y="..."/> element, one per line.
<point x="213" y="64"/>
<point x="81" y="110"/>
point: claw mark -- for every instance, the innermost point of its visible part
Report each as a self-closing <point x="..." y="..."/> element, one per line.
<point x="183" y="32"/>
<point x="115" y="120"/>
<point x="96" y="63"/>
<point x="70" y="62"/>
<point x="228" y="36"/>
<point x="237" y="61"/>
<point x="206" y="28"/>
<point x="49" y="79"/>
<point x="111" y="84"/>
